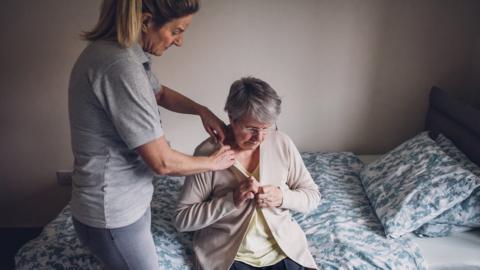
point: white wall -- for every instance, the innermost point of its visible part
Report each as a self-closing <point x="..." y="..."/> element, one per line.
<point x="354" y="76"/>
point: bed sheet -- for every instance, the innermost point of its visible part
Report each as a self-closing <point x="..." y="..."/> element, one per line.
<point x="343" y="232"/>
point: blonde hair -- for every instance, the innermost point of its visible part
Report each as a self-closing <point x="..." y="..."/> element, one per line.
<point x="121" y="20"/>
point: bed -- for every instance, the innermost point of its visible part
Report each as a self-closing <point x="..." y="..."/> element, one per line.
<point x="344" y="232"/>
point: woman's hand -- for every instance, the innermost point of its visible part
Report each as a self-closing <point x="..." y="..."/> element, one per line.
<point x="222" y="159"/>
<point x="245" y="191"/>
<point x="212" y="124"/>
<point x="269" y="196"/>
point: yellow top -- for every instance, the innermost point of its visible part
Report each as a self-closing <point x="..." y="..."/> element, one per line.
<point x="258" y="247"/>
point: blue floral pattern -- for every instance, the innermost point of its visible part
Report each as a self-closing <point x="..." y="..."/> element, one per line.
<point x="464" y="216"/>
<point x="343" y="232"/>
<point x="414" y="183"/>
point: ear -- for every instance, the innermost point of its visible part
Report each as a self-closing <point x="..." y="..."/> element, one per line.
<point x="147" y="21"/>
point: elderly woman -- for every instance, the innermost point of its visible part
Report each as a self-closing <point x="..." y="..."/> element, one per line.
<point x="241" y="215"/>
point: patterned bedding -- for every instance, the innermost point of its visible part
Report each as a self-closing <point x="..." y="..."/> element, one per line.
<point x="343" y="232"/>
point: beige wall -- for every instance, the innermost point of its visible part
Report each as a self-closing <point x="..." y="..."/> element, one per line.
<point x="354" y="76"/>
<point x="475" y="89"/>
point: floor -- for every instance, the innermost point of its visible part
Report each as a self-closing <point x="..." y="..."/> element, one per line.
<point x="11" y="240"/>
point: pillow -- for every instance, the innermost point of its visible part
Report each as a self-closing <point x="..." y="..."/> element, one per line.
<point x="462" y="217"/>
<point x="414" y="183"/>
<point x="449" y="147"/>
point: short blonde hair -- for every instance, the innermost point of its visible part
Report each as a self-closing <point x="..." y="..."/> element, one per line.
<point x="121" y="20"/>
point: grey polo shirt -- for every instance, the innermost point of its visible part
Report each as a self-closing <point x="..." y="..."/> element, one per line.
<point x="112" y="110"/>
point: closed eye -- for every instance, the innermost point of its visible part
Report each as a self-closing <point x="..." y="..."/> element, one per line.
<point x="177" y="31"/>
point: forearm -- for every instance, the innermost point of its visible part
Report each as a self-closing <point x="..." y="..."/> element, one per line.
<point x="176" y="102"/>
<point x="196" y="216"/>
<point x="301" y="199"/>
<point x="166" y="161"/>
<point x="177" y="163"/>
<point x="302" y="193"/>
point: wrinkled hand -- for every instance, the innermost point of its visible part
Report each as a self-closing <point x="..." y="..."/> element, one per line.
<point x="269" y="196"/>
<point x="212" y="124"/>
<point x="245" y="191"/>
<point x="222" y="159"/>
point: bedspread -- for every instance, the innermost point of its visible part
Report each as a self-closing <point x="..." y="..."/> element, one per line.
<point x="343" y="232"/>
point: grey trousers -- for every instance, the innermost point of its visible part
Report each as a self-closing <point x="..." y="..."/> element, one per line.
<point x="129" y="247"/>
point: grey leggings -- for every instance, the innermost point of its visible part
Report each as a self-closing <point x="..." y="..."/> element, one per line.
<point x="129" y="247"/>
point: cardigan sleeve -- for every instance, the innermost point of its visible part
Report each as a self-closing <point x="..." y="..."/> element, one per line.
<point x="302" y="193"/>
<point x="195" y="209"/>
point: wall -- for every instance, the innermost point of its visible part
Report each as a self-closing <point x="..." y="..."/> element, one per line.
<point x="354" y="76"/>
<point x="474" y="94"/>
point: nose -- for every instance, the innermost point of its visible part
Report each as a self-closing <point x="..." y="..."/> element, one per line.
<point x="178" y="41"/>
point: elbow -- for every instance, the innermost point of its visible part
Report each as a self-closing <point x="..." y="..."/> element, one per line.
<point x="314" y="202"/>
<point x="179" y="223"/>
<point x="179" y="227"/>
<point x="176" y="223"/>
<point x="162" y="168"/>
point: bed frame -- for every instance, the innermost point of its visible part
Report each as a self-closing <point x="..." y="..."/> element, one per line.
<point x="456" y="120"/>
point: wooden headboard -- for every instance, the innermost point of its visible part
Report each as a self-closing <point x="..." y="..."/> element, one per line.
<point x="456" y="120"/>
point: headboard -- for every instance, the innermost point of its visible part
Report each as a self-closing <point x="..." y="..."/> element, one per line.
<point x="456" y="120"/>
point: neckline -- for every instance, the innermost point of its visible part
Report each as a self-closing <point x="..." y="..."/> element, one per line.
<point x="243" y="170"/>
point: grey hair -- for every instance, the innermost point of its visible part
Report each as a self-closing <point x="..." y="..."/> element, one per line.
<point x="253" y="97"/>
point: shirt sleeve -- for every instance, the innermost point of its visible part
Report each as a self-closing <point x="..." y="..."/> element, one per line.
<point x="126" y="94"/>
<point x="156" y="86"/>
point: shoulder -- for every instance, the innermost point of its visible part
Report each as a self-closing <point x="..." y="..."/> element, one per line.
<point x="103" y="56"/>
<point x="281" y="145"/>
<point x="206" y="148"/>
<point x="281" y="139"/>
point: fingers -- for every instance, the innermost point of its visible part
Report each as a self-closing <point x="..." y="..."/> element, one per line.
<point x="263" y="203"/>
<point x="263" y="196"/>
<point x="246" y="191"/>
<point x="246" y="196"/>
<point x="212" y="124"/>
<point x="224" y="148"/>
<point x="212" y="133"/>
<point x="249" y="186"/>
<point x="243" y="196"/>
<point x="253" y="184"/>
<point x="219" y="134"/>
<point x="263" y="200"/>
<point x="269" y="196"/>
<point x="226" y="152"/>
<point x="223" y="158"/>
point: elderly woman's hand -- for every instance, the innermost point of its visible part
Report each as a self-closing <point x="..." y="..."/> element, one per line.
<point x="269" y="196"/>
<point x="245" y="191"/>
<point x="212" y="124"/>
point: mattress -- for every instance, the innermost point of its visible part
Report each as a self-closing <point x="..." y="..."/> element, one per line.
<point x="458" y="251"/>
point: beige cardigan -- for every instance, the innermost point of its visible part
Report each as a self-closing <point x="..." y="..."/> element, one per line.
<point x="206" y="206"/>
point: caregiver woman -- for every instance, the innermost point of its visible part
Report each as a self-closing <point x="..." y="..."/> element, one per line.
<point x="117" y="139"/>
